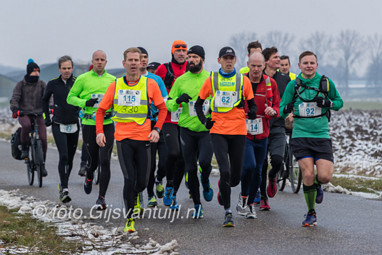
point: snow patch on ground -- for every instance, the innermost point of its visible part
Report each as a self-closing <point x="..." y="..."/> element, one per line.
<point x="95" y="238"/>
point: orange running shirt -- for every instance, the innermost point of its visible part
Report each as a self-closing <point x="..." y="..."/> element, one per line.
<point x="232" y="122"/>
<point x="132" y="130"/>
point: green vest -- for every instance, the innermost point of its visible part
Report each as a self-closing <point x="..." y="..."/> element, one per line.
<point x="227" y="92"/>
<point x="131" y="103"/>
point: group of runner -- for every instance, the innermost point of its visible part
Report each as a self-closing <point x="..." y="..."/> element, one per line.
<point x="186" y="114"/>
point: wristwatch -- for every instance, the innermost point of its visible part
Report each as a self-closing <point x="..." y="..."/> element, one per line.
<point x="157" y="129"/>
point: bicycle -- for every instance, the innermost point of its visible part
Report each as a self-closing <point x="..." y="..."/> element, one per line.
<point x="290" y="169"/>
<point x="36" y="161"/>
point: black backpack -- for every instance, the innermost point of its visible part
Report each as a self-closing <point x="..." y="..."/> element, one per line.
<point x="16" y="144"/>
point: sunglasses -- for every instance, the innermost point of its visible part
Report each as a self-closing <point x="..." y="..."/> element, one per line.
<point x="180" y="46"/>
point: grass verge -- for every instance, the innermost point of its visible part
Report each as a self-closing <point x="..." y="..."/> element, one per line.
<point x="23" y="231"/>
<point x="358" y="184"/>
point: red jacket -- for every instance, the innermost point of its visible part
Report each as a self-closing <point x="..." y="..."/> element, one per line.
<point x="178" y="71"/>
<point x="262" y="98"/>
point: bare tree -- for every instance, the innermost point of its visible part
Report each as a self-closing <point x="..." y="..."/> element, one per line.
<point x="240" y="42"/>
<point x="280" y="40"/>
<point x="374" y="75"/>
<point x="349" y="48"/>
<point x="318" y="42"/>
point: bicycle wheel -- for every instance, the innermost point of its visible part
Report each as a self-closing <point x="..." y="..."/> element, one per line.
<point x="30" y="172"/>
<point x="39" y="161"/>
<point x="281" y="180"/>
<point x="295" y="174"/>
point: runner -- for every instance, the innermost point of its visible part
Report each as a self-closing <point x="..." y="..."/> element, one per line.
<point x="311" y="102"/>
<point x="285" y="66"/>
<point x="169" y="72"/>
<point x="65" y="125"/>
<point x="194" y="136"/>
<point x="159" y="146"/>
<point x="87" y="92"/>
<point x="251" y="48"/>
<point x="131" y="97"/>
<point x="257" y="137"/>
<point x="228" y="90"/>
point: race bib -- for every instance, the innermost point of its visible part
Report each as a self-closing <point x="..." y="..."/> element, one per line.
<point x="255" y="127"/>
<point x="129" y="97"/>
<point x="99" y="96"/>
<point x="225" y="98"/>
<point x="68" y="129"/>
<point x="192" y="111"/>
<point x="175" y="115"/>
<point x="309" y="109"/>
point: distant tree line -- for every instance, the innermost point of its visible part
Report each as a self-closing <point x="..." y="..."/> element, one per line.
<point x="339" y="55"/>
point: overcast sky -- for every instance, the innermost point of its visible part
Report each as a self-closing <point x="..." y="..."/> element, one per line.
<point x="46" y="29"/>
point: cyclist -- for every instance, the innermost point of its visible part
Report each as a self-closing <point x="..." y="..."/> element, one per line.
<point x="276" y="139"/>
<point x="228" y="90"/>
<point x="159" y="146"/>
<point x="65" y="125"/>
<point x="310" y="143"/>
<point x="195" y="138"/>
<point x="133" y="131"/>
<point x="257" y="137"/>
<point x="169" y="72"/>
<point x="87" y="92"/>
<point x="27" y="97"/>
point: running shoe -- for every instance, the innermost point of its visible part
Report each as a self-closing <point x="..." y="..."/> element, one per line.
<point x="272" y="187"/>
<point x="264" y="205"/>
<point x="130" y="225"/>
<point x="88" y="185"/>
<point x="167" y="199"/>
<point x="101" y="203"/>
<point x="320" y="194"/>
<point x="159" y="189"/>
<point x="174" y="205"/>
<point x="256" y="201"/>
<point x="198" y="213"/>
<point x="228" y="221"/>
<point x="64" y="195"/>
<point x="82" y="171"/>
<point x="241" y="206"/>
<point x="310" y="219"/>
<point x="208" y="192"/>
<point x="251" y="213"/>
<point x="138" y="204"/>
<point x="219" y="197"/>
<point x="152" y="202"/>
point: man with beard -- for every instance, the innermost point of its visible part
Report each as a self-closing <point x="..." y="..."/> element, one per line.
<point x="169" y="72"/>
<point x="160" y="146"/>
<point x="26" y="97"/>
<point x="195" y="138"/>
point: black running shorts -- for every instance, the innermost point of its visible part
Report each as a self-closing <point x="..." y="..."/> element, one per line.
<point x="317" y="148"/>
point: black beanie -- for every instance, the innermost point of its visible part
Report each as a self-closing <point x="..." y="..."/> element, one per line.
<point x="143" y="50"/>
<point x="31" y="67"/>
<point x="198" y="50"/>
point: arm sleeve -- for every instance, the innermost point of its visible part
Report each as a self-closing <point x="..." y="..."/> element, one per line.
<point x="247" y="89"/>
<point x="163" y="89"/>
<point x="171" y="104"/>
<point x="199" y="110"/>
<point x="16" y="96"/>
<point x="105" y="104"/>
<point x="276" y="98"/>
<point x="287" y="98"/>
<point x="73" y="95"/>
<point x="157" y="99"/>
<point x="335" y="97"/>
<point x="46" y="99"/>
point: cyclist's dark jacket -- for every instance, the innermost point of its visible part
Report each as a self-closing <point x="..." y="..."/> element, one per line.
<point x="63" y="112"/>
<point x="27" y="96"/>
<point x="282" y="81"/>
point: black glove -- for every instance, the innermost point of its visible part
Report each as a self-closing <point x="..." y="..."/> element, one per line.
<point x="15" y="114"/>
<point x="252" y="114"/>
<point x="183" y="98"/>
<point x="91" y="102"/>
<point x="47" y="122"/>
<point x="324" y="102"/>
<point x="288" y="108"/>
<point x="208" y="123"/>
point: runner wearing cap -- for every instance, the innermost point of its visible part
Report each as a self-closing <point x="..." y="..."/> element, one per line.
<point x="228" y="90"/>
<point x="131" y="97"/>
<point x="169" y="72"/>
<point x="195" y="137"/>
<point x="152" y="67"/>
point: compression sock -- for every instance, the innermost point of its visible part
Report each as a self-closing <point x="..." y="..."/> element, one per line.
<point x="310" y="193"/>
<point x="316" y="181"/>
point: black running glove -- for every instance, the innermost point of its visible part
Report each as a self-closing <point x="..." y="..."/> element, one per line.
<point x="47" y="122"/>
<point x="324" y="102"/>
<point x="183" y="98"/>
<point x="91" y="102"/>
<point x="252" y="109"/>
<point x="288" y="108"/>
<point x="208" y="123"/>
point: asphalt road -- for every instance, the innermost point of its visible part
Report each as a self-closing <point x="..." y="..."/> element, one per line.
<point x="346" y="224"/>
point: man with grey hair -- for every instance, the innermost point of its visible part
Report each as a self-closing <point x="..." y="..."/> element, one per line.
<point x="65" y="125"/>
<point x="87" y="93"/>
